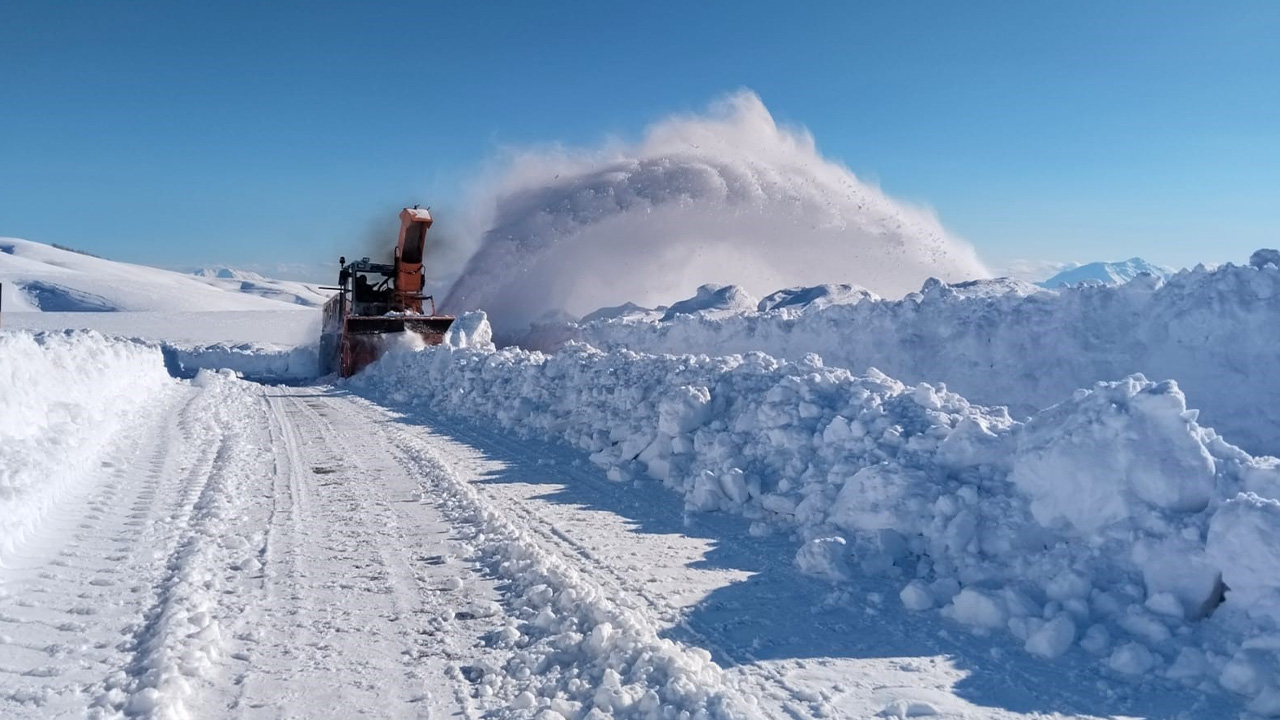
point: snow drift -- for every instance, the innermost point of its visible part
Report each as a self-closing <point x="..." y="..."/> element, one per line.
<point x="729" y="197"/>
<point x="1157" y="562"/>
<point x="1008" y="342"/>
<point x="63" y="395"/>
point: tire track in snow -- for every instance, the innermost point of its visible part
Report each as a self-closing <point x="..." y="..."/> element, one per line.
<point x="77" y="588"/>
<point x="356" y="611"/>
<point x="179" y="645"/>
<point x="639" y="673"/>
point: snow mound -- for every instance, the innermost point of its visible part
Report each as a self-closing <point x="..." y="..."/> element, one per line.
<point x="64" y="396"/>
<point x="1068" y="532"/>
<point x="713" y="301"/>
<point x="628" y="311"/>
<point x="1264" y="257"/>
<point x="1107" y="273"/>
<point x="1007" y="342"/>
<point x="818" y="296"/>
<point x="730" y="197"/>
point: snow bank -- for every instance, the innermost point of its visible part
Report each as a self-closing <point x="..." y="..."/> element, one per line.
<point x="1010" y="343"/>
<point x="64" y="395"/>
<point x="962" y="504"/>
<point x="256" y="361"/>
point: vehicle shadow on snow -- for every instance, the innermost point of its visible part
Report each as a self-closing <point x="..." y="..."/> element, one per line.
<point x="779" y="613"/>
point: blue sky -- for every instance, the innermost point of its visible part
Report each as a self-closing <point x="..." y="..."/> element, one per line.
<point x="184" y="133"/>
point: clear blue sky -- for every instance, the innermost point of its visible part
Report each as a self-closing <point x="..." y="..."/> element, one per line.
<point x="261" y="132"/>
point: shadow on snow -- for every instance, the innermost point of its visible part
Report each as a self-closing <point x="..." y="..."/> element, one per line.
<point x="779" y="613"/>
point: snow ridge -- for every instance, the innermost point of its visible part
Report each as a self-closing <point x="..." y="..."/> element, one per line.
<point x="1011" y="343"/>
<point x="959" y="502"/>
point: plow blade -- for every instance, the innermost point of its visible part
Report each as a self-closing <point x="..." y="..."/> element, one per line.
<point x="366" y="338"/>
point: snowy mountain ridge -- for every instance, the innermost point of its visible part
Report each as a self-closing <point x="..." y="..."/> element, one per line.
<point x="1107" y="273"/>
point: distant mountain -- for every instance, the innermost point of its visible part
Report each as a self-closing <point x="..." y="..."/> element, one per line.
<point x="1107" y="273"/>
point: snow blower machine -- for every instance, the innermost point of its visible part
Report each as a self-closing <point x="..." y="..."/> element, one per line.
<point x="378" y="303"/>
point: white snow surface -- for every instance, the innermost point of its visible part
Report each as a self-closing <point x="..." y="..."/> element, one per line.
<point x="43" y="278"/>
<point x="1105" y="525"/>
<point x="63" y="395"/>
<point x="1008" y="342"/>
<point x="1101" y="529"/>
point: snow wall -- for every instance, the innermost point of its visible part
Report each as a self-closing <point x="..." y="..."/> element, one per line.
<point x="254" y="361"/>
<point x="1010" y="343"/>
<point x="64" y="396"/>
<point x="1112" y="523"/>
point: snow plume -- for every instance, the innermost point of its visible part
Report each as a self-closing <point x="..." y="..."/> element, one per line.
<point x="725" y="197"/>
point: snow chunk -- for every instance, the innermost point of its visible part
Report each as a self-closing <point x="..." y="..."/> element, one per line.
<point x="1264" y="257"/>
<point x="470" y="330"/>
<point x="1132" y="659"/>
<point x="978" y="609"/>
<point x="1053" y="638"/>
<point x="818" y="296"/>
<point x="1244" y="543"/>
<point x="824" y="557"/>
<point x="1089" y="461"/>
<point x="916" y="596"/>
<point x="710" y="298"/>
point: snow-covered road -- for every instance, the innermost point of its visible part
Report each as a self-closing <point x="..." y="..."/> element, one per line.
<point x="260" y="551"/>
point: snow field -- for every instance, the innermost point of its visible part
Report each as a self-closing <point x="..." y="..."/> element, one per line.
<point x="64" y="395"/>
<point x="43" y="278"/>
<point x="1006" y="342"/>
<point x="1112" y="521"/>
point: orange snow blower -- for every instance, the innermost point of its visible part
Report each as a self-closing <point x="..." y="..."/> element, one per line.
<point x="377" y="301"/>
